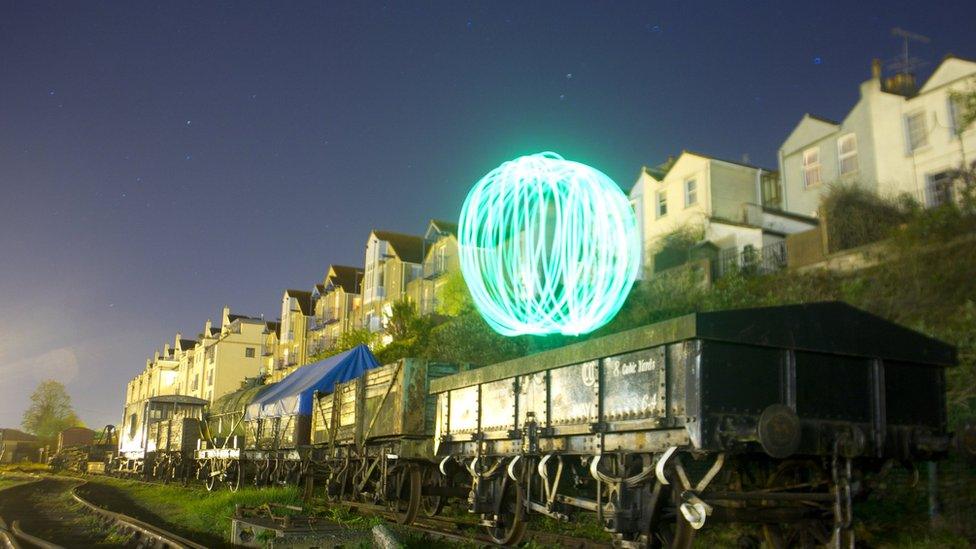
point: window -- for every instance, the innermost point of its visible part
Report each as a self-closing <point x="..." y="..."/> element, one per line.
<point x="938" y="189"/>
<point x="662" y="203"/>
<point x="957" y="109"/>
<point x="249" y="352"/>
<point x="132" y="425"/>
<point x="811" y="167"/>
<point x="847" y="154"/>
<point x="691" y="192"/>
<point x="918" y="136"/>
<point x="196" y="382"/>
<point x="209" y="377"/>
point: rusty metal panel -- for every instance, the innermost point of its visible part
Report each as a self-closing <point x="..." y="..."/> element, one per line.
<point x="532" y="398"/>
<point x="634" y="385"/>
<point x="573" y="391"/>
<point x="463" y="416"/>
<point x="347" y="403"/>
<point x="677" y="329"/>
<point x="498" y="409"/>
<point x="382" y="403"/>
<point x="322" y="418"/>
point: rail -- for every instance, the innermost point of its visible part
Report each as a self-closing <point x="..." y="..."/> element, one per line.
<point x="35" y="541"/>
<point x="157" y="536"/>
<point x="8" y="539"/>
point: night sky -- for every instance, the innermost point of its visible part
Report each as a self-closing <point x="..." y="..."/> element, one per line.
<point x="158" y="161"/>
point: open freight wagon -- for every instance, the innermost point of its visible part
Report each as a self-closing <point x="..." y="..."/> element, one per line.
<point x="262" y="434"/>
<point x="661" y="428"/>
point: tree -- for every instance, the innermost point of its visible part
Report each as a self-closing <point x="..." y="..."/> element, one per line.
<point x="967" y="100"/>
<point x="455" y="298"/>
<point x="351" y="338"/>
<point x="50" y="411"/>
<point x="403" y="321"/>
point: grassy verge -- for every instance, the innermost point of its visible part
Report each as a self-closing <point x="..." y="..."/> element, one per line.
<point x="195" y="509"/>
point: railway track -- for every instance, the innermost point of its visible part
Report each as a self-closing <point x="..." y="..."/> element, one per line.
<point x="463" y="532"/>
<point x="466" y="532"/>
<point x="49" y="514"/>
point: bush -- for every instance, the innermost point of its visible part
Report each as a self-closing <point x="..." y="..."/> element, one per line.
<point x="855" y="216"/>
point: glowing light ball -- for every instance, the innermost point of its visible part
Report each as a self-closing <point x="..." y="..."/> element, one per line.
<point x="547" y="246"/>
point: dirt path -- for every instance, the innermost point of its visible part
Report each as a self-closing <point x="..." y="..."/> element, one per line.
<point x="46" y="510"/>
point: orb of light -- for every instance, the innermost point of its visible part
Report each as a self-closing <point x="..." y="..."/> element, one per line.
<point x="547" y="245"/>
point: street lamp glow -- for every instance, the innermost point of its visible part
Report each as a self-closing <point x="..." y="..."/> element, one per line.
<point x="547" y="246"/>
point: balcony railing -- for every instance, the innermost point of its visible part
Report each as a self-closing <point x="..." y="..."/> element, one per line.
<point x="752" y="260"/>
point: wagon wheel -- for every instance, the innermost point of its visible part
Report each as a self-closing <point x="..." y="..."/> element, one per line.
<point x="211" y="478"/>
<point x="433" y="505"/>
<point x="405" y="499"/>
<point x="234" y="475"/>
<point x="509" y="514"/>
<point x="798" y="476"/>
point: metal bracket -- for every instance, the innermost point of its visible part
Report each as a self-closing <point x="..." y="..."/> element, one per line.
<point x="661" y="463"/>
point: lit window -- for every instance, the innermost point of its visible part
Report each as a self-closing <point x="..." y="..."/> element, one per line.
<point x="691" y="192"/>
<point x="662" y="203"/>
<point x="811" y="167"/>
<point x="249" y="352"/>
<point x="847" y="154"/>
<point x="918" y="136"/>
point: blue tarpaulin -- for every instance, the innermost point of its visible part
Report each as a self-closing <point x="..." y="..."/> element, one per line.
<point x="293" y="395"/>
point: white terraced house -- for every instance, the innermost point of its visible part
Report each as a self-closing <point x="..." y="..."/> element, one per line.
<point x="897" y="139"/>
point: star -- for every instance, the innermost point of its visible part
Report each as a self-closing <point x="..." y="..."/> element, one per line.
<point x="569" y="76"/>
<point x="188" y="122"/>
<point x="817" y="61"/>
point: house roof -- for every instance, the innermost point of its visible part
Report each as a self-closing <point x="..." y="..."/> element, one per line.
<point x="320" y="288"/>
<point x="736" y="162"/>
<point x="448" y="227"/>
<point x="232" y="318"/>
<point x="15" y="434"/>
<point x="408" y="247"/>
<point x="187" y="344"/>
<point x="823" y="119"/>
<point x="345" y="277"/>
<point x="272" y="326"/>
<point x="657" y="173"/>
<point x="214" y="331"/>
<point x="304" y="299"/>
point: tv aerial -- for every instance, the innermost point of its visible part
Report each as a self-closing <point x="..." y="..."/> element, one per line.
<point x="906" y="63"/>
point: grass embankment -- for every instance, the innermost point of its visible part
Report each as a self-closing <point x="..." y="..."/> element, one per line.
<point x="194" y="510"/>
<point x="14" y="474"/>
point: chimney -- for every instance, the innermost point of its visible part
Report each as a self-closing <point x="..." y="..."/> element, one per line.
<point x="179" y="336"/>
<point x="902" y="83"/>
<point x="207" y="327"/>
<point x="876" y="68"/>
<point x="166" y="349"/>
<point x="225" y="320"/>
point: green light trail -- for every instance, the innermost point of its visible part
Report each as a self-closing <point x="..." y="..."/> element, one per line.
<point x="547" y="246"/>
